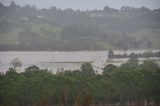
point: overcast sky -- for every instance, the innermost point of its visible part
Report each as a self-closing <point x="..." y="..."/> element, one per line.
<point x="88" y="4"/>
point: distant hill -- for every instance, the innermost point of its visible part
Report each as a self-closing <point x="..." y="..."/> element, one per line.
<point x="29" y="28"/>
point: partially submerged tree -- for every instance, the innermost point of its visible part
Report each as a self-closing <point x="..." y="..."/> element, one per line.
<point x="15" y="63"/>
<point x="110" y="54"/>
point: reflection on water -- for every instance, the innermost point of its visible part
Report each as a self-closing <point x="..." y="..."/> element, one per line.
<point x="57" y="60"/>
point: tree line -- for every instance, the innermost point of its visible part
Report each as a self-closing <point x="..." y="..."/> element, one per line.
<point x="30" y="28"/>
<point x="131" y="84"/>
<point x="147" y="54"/>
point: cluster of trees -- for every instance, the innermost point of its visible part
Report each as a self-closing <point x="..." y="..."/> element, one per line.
<point x="147" y="54"/>
<point x="129" y="84"/>
<point x="29" y="28"/>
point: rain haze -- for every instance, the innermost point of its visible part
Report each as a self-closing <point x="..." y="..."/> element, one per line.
<point x="88" y="4"/>
<point x="79" y="52"/>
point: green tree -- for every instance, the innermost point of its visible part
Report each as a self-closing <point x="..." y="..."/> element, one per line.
<point x="109" y="68"/>
<point x="87" y="69"/>
<point x="32" y="68"/>
<point x="150" y="65"/>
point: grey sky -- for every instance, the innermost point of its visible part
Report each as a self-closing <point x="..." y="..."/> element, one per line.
<point x="88" y="4"/>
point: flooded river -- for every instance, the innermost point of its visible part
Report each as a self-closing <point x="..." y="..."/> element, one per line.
<point x="59" y="60"/>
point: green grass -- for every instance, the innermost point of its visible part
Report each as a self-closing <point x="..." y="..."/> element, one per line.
<point x="10" y="38"/>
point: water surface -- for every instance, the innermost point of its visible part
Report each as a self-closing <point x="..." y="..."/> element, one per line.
<point x="59" y="60"/>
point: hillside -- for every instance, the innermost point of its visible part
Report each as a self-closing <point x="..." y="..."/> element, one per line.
<point x="29" y="28"/>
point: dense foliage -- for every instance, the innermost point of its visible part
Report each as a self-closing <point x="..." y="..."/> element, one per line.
<point x="130" y="83"/>
<point x="29" y="28"/>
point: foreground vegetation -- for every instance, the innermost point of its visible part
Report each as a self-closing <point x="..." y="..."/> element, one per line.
<point x="129" y="84"/>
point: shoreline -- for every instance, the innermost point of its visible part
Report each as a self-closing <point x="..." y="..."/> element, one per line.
<point x="80" y="50"/>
